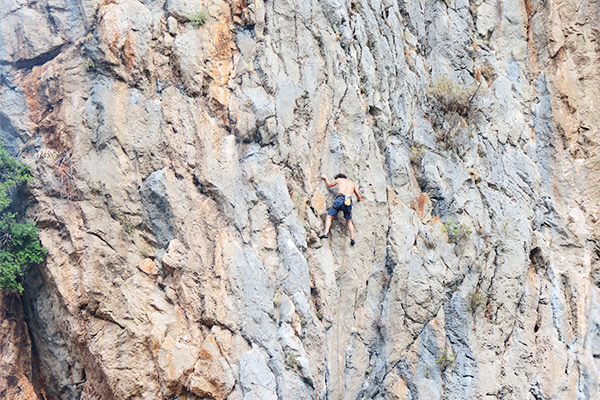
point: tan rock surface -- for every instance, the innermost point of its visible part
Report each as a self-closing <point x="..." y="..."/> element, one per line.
<point x="178" y="193"/>
<point x="16" y="375"/>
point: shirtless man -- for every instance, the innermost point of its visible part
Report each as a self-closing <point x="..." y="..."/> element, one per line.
<point x="342" y="202"/>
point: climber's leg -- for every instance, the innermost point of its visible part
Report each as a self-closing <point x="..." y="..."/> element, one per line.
<point x="351" y="229"/>
<point x="328" y="221"/>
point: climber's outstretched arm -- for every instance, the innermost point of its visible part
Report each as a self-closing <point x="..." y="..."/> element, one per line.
<point x="358" y="195"/>
<point x="328" y="182"/>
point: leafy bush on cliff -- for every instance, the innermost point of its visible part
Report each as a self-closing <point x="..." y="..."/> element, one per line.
<point x="456" y="232"/>
<point x="200" y="18"/>
<point x="19" y="242"/>
<point x="452" y="109"/>
<point x="446" y="359"/>
<point x="452" y="97"/>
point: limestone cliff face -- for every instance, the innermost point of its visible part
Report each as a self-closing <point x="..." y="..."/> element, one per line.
<point x="178" y="193"/>
<point x="16" y="378"/>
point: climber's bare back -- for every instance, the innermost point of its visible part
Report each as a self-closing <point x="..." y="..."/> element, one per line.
<point x="345" y="186"/>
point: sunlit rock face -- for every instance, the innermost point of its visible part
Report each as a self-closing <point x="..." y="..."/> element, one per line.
<point x="178" y="147"/>
<point x="17" y="376"/>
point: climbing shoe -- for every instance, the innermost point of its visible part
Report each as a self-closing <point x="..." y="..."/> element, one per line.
<point x="352" y="242"/>
<point x="323" y="237"/>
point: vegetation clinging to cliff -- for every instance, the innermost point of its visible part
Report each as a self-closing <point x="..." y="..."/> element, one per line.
<point x="19" y="242"/>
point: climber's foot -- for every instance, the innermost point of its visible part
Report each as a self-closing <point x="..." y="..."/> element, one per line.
<point x="352" y="242"/>
<point x="323" y="236"/>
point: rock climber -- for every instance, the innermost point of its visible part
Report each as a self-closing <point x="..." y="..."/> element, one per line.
<point x="342" y="202"/>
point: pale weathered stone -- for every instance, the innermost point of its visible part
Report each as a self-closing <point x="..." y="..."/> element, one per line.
<point x="178" y="191"/>
<point x="16" y="378"/>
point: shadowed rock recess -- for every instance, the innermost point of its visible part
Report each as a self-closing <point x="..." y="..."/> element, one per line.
<point x="177" y="147"/>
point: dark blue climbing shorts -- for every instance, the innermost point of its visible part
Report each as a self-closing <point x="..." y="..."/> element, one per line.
<point x="338" y="205"/>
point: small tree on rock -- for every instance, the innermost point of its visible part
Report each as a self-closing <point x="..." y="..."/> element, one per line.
<point x="19" y="242"/>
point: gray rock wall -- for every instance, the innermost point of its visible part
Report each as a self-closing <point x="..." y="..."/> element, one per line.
<point x="178" y="193"/>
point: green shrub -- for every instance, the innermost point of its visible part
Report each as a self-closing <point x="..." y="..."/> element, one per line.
<point x="127" y="225"/>
<point x="200" y="18"/>
<point x="446" y="359"/>
<point x="429" y="242"/>
<point x="456" y="232"/>
<point x="452" y="97"/>
<point x="416" y="154"/>
<point x="474" y="301"/>
<point x="291" y="362"/>
<point x="19" y="242"/>
<point x="90" y="64"/>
